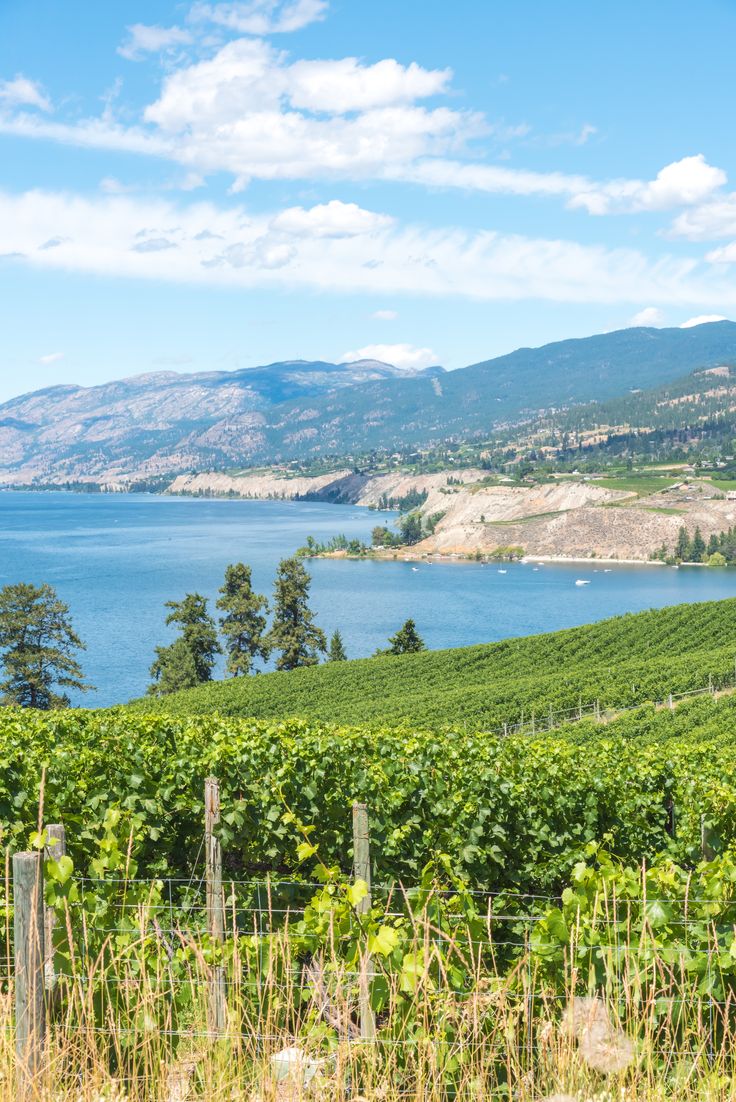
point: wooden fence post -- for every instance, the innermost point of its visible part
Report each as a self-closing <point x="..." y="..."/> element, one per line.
<point x="362" y="871"/>
<point x="217" y="1002"/>
<point x="55" y="848"/>
<point x="706" y="848"/>
<point x="30" y="1010"/>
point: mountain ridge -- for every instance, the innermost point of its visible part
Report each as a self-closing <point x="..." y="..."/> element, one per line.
<point x="161" y="424"/>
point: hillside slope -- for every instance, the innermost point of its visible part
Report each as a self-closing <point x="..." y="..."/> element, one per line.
<point x="168" y="423"/>
<point x="619" y="662"/>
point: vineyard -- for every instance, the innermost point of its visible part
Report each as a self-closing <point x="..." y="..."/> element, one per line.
<point x="618" y="662"/>
<point x="520" y="914"/>
<point x="511" y="812"/>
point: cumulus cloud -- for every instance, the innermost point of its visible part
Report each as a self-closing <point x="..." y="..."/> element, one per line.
<point x="231" y="246"/>
<point x="385" y="315"/>
<point x="649" y="316"/>
<point x="145" y="39"/>
<point x="250" y="111"/>
<point x="682" y="183"/>
<point x="22" y="92"/>
<point x="406" y="356"/>
<point x="51" y="358"/>
<point x="333" y="219"/>
<point x="702" y="319"/>
<point x="261" y="17"/>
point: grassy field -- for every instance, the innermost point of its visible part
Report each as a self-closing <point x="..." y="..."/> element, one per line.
<point x="618" y="662"/>
<point x="641" y="485"/>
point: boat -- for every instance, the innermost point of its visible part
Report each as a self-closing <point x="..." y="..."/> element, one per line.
<point x="502" y="571"/>
<point x="582" y="581"/>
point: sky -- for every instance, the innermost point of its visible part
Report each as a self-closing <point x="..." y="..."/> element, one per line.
<point x="209" y="186"/>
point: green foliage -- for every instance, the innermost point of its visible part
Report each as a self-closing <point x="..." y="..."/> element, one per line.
<point x="294" y="632"/>
<point x="37" y="644"/>
<point x="190" y="659"/>
<point x="336" y="652"/>
<point x="243" y="623"/>
<point x="407" y="640"/>
<point x="410" y="529"/>
<point x="514" y="811"/>
<point x="619" y="662"/>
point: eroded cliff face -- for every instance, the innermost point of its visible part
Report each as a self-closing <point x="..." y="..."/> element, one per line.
<point x="573" y="519"/>
<point x="262" y="485"/>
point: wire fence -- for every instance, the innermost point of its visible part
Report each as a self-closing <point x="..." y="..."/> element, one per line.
<point x="550" y="719"/>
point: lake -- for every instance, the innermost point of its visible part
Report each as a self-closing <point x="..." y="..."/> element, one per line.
<point x="116" y="559"/>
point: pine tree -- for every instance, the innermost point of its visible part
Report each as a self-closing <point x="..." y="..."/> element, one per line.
<point x="697" y="548"/>
<point x="411" y="528"/>
<point x="294" y="632"/>
<point x="713" y="545"/>
<point x="37" y="642"/>
<point x="407" y="640"/>
<point x="682" y="547"/>
<point x="243" y="624"/>
<point x="190" y="659"/>
<point x="336" y="652"/>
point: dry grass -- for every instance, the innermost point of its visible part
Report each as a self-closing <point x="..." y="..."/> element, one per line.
<point x="129" y="1030"/>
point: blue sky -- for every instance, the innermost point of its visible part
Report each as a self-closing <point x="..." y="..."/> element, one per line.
<point x="206" y="185"/>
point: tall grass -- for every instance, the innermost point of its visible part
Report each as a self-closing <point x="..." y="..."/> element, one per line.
<point x="135" y="1023"/>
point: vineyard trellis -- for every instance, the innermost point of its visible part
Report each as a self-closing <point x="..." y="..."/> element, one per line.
<point x="494" y="927"/>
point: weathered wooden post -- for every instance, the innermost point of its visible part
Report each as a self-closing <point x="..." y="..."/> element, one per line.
<point x="30" y="1010"/>
<point x="217" y="1001"/>
<point x="706" y="849"/>
<point x="55" y="848"/>
<point x="362" y="871"/>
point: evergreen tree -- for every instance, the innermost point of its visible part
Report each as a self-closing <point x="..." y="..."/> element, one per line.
<point x="243" y="624"/>
<point x="407" y="640"/>
<point x="682" y="547"/>
<point x="37" y="645"/>
<point x="697" y="548"/>
<point x="190" y="659"/>
<point x="336" y="652"/>
<point x="411" y="528"/>
<point x="294" y="632"/>
<point x="713" y="545"/>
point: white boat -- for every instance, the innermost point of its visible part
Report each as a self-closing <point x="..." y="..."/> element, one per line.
<point x="607" y="570"/>
<point x="582" y="581"/>
<point x="502" y="571"/>
<point x="415" y="569"/>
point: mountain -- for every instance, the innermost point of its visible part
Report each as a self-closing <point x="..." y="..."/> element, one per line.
<point x="165" y="423"/>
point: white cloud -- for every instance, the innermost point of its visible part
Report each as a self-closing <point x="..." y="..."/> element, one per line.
<point x="400" y="355"/>
<point x="702" y="319"/>
<point x="385" y="315"/>
<point x="709" y="221"/>
<point x="724" y="255"/>
<point x="649" y="316"/>
<point x="199" y="242"/>
<point x="51" y="358"/>
<point x="144" y="39"/>
<point x="261" y="17"/>
<point x="333" y="219"/>
<point x="22" y="92"/>
<point x="346" y="85"/>
<point x="682" y="183"/>
<point x="249" y="111"/>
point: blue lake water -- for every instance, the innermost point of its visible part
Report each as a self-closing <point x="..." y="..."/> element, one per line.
<point x="115" y="559"/>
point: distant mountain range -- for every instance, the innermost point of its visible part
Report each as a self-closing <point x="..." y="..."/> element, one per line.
<point x="165" y="423"/>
